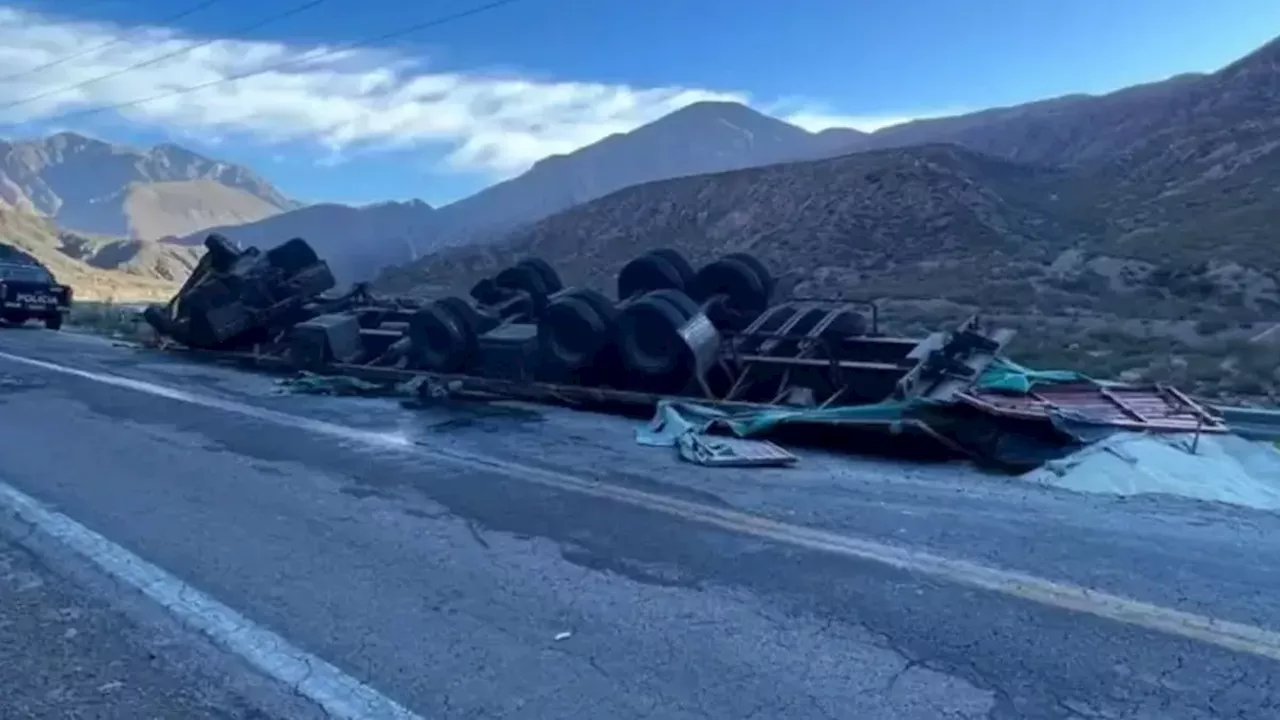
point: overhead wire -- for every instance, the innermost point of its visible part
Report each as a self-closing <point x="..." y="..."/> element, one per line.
<point x="295" y="10"/>
<point x="305" y="58"/>
<point x="106" y="45"/>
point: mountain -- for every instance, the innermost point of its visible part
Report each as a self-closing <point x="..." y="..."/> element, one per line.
<point x="97" y="187"/>
<point x="97" y="268"/>
<point x="700" y="138"/>
<point x="356" y="241"/>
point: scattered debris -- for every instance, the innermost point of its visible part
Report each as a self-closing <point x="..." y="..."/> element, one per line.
<point x="686" y="426"/>
<point x="702" y="449"/>
<point x="563" y="636"/>
<point x="306" y="383"/>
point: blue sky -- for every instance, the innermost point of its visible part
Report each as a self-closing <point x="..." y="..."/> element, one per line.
<point x="543" y="76"/>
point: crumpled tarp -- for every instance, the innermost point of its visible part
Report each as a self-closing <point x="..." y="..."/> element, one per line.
<point x="684" y="426"/>
<point x="1010" y="445"/>
<point x="1006" y="375"/>
<point x="680" y="417"/>
<point x="1216" y="468"/>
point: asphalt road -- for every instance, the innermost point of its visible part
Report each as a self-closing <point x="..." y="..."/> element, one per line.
<point x="72" y="646"/>
<point x="475" y="591"/>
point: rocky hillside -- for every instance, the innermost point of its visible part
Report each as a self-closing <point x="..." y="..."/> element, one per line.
<point x="92" y="186"/>
<point x="97" y="268"/>
<point x="884" y="222"/>
<point x="357" y="242"/>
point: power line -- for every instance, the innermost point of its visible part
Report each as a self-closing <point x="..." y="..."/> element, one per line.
<point x="108" y="44"/>
<point x="181" y="51"/>
<point x="308" y="58"/>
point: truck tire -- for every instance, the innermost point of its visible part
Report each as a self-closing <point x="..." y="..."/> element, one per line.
<point x="647" y="273"/>
<point x="574" y="330"/>
<point x="442" y="339"/>
<point x="679" y="263"/>
<point x="487" y="292"/>
<point x="53" y="322"/>
<point x="744" y="295"/>
<point x="526" y="279"/>
<point x="766" y="278"/>
<point x="677" y="299"/>
<point x="550" y="278"/>
<point x="649" y="333"/>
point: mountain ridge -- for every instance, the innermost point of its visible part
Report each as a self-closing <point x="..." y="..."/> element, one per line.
<point x="92" y="186"/>
<point x="718" y="136"/>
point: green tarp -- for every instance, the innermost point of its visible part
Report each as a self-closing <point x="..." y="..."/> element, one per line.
<point x="984" y="437"/>
<point x="1008" y="376"/>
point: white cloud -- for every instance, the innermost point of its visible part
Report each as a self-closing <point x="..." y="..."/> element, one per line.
<point x="498" y="123"/>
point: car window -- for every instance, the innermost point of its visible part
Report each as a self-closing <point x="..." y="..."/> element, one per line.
<point x="27" y="273"/>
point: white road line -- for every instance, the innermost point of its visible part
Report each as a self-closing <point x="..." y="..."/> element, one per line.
<point x="1234" y="636"/>
<point x="338" y="694"/>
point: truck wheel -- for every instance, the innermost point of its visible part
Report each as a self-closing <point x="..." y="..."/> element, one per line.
<point x="550" y="277"/>
<point x="525" y="278"/>
<point x="648" y="332"/>
<point x="762" y="272"/>
<point x="678" y="263"/>
<point x="648" y="272"/>
<point x="743" y="291"/>
<point x="574" y="330"/>
<point x="442" y="337"/>
<point x="53" y="322"/>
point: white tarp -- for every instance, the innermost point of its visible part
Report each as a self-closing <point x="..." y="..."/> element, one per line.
<point x="1222" y="468"/>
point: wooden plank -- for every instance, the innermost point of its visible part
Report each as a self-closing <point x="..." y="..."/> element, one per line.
<point x="1124" y="408"/>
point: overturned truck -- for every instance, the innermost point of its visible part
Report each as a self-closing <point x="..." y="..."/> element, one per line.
<point x="715" y="335"/>
<point x="236" y="297"/>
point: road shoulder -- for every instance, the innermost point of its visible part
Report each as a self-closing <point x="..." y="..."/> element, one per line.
<point x="77" y="646"/>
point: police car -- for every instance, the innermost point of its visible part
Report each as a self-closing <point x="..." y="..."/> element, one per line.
<point x="30" y="292"/>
